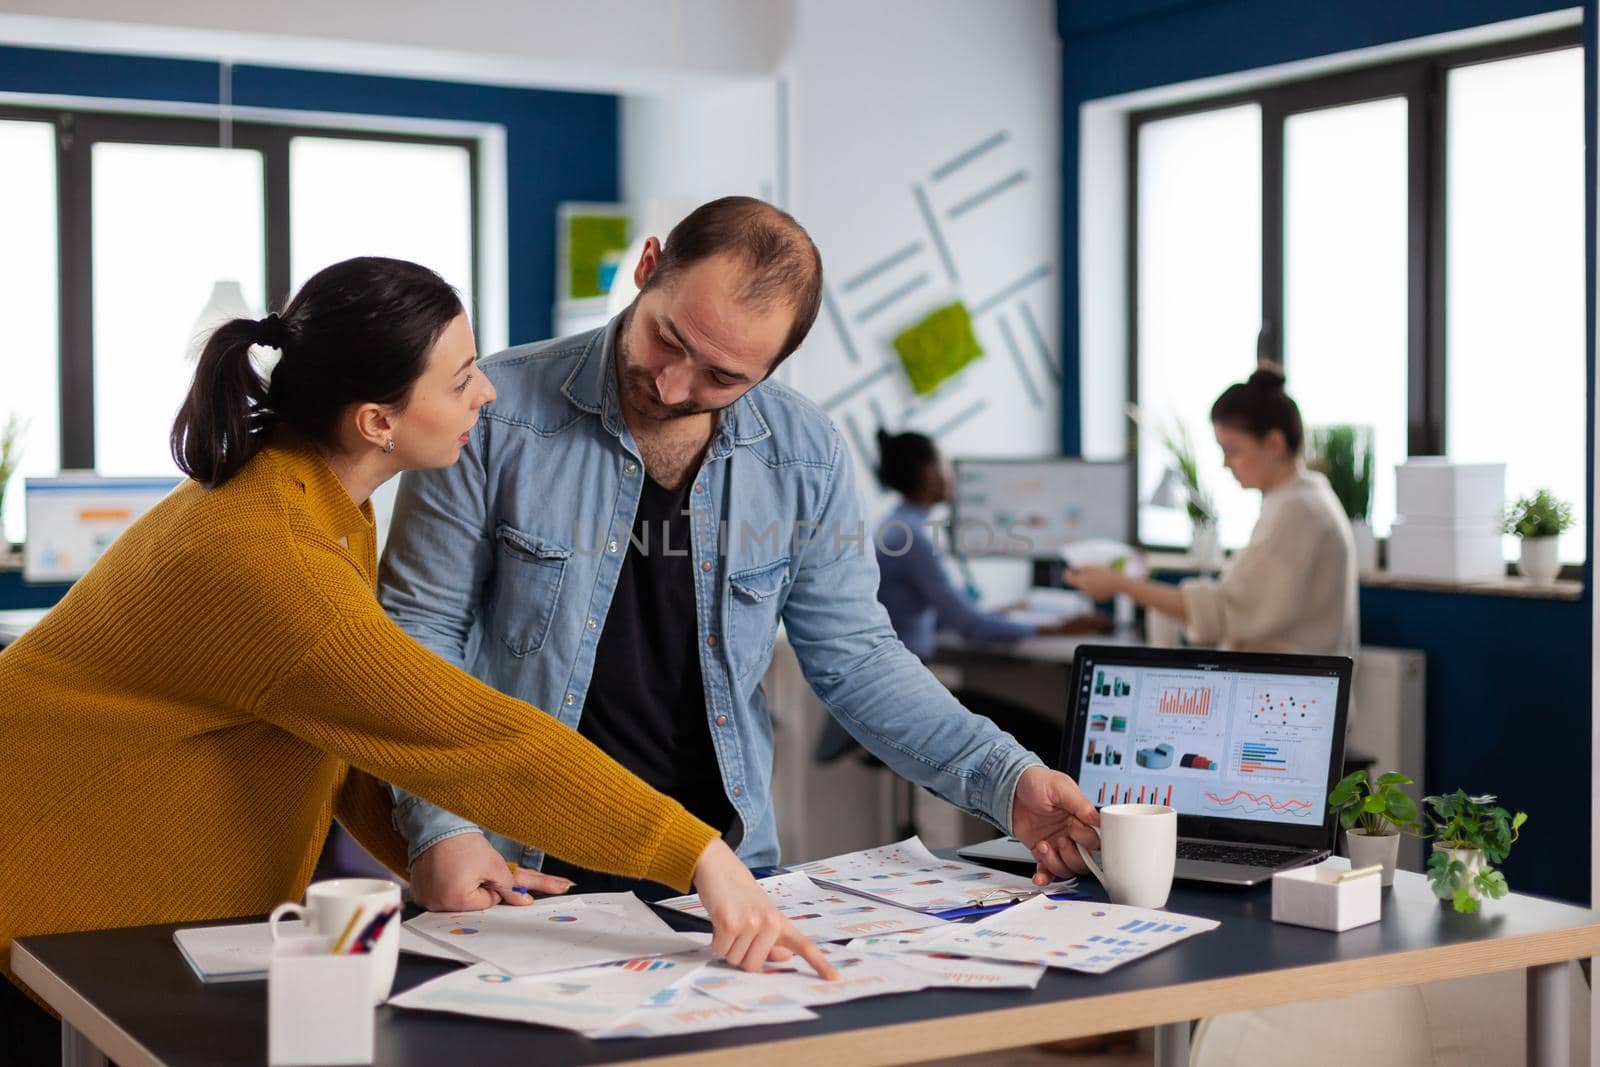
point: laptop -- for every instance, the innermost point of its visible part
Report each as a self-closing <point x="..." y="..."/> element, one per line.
<point x="1245" y="746"/>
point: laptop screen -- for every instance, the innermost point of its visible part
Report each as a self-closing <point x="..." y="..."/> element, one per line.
<point x="1217" y="736"/>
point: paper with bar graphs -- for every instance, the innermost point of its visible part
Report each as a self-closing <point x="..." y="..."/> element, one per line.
<point x="1077" y="935"/>
<point x="824" y="914"/>
<point x="908" y="875"/>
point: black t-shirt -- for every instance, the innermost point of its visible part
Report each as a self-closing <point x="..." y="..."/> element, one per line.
<point x="646" y="706"/>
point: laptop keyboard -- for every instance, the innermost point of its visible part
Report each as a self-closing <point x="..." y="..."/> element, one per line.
<point x="1243" y="855"/>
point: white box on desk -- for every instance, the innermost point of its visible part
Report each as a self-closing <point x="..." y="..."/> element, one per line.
<point x="1435" y="487"/>
<point x="1314" y="896"/>
<point x="1446" y="551"/>
<point x="319" y="1006"/>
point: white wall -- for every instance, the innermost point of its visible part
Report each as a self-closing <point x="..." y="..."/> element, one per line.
<point x="884" y="99"/>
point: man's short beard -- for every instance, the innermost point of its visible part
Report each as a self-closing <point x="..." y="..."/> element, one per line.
<point x="640" y="382"/>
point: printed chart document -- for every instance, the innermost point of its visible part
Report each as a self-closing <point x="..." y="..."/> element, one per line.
<point x="588" y="998"/>
<point x="556" y="934"/>
<point x="861" y="974"/>
<point x="824" y="914"/>
<point x="1078" y="935"/>
<point x="946" y="970"/>
<point x="417" y="945"/>
<point x="683" y="1009"/>
<point x="908" y="875"/>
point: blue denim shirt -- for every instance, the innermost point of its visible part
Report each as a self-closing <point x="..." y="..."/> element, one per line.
<point x="505" y="564"/>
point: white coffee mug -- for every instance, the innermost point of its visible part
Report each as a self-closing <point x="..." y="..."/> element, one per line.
<point x="1138" y="847"/>
<point x="328" y="912"/>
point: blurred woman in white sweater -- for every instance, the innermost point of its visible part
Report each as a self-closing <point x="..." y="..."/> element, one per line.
<point x="1293" y="587"/>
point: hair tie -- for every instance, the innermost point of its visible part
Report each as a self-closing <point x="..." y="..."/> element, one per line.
<point x="272" y="332"/>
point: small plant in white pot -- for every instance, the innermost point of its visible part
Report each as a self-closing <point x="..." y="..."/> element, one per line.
<point x="1344" y="455"/>
<point x="1539" y="520"/>
<point x="1470" y="835"/>
<point x="1374" y="815"/>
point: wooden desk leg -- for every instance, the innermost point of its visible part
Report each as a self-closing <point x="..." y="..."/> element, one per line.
<point x="77" y="1051"/>
<point x="1172" y="1045"/>
<point x="1549" y="1016"/>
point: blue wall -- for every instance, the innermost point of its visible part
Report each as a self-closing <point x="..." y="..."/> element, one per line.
<point x="559" y="146"/>
<point x="1508" y="680"/>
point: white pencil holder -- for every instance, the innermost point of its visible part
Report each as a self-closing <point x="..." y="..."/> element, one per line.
<point x="319" y="1006"/>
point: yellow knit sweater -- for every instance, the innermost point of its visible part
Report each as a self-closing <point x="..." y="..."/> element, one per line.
<point x="177" y="733"/>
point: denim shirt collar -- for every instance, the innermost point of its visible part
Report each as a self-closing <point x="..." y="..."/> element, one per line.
<point x="592" y="387"/>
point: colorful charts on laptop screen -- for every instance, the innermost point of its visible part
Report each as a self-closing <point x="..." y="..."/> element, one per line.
<point x="1222" y="744"/>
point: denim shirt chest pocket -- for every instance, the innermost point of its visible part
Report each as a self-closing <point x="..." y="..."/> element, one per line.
<point x="755" y="599"/>
<point x="527" y="585"/>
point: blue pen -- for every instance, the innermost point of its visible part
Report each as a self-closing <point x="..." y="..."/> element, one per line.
<point x="373" y="931"/>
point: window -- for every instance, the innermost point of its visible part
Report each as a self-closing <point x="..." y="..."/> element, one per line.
<point x="1514" y="275"/>
<point x="1200" y="296"/>
<point x="110" y="281"/>
<point x="28" y="359"/>
<point x="167" y="221"/>
<point x="1415" y="261"/>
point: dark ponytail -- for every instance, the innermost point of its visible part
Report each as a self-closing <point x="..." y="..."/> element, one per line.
<point x="357" y="332"/>
<point x="225" y="409"/>
<point x="1259" y="405"/>
<point x="903" y="459"/>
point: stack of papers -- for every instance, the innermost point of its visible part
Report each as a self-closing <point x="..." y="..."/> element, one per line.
<point x="824" y="914"/>
<point x="556" y="934"/>
<point x="1078" y="935"/>
<point x="606" y="966"/>
<point x="909" y="876"/>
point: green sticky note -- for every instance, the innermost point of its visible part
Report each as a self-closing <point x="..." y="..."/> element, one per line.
<point x="937" y="348"/>
<point x="589" y="239"/>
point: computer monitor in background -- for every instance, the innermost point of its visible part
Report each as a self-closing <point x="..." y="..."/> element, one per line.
<point x="72" y="520"/>
<point x="1029" y="508"/>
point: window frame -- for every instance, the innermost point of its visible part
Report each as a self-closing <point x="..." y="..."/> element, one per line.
<point x="78" y="130"/>
<point x="1421" y="81"/>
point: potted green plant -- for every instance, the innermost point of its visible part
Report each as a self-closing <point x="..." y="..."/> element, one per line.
<point x="1202" y="511"/>
<point x="1470" y="835"/>
<point x="1374" y="815"/>
<point x="1181" y="487"/>
<point x="1539" y="520"/>
<point x="10" y="455"/>
<point x="1344" y="455"/>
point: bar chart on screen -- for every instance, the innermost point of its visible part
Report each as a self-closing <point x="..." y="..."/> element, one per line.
<point x="1183" y="703"/>
<point x="1133" y="793"/>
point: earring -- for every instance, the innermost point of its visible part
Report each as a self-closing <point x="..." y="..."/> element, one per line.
<point x="388" y="446"/>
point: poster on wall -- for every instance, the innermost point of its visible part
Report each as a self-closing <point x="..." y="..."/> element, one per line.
<point x="590" y="240"/>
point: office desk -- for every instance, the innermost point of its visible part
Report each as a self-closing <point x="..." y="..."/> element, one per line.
<point x="1035" y="673"/>
<point x="129" y="993"/>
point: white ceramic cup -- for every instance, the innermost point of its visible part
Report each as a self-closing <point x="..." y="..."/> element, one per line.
<point x="327" y="912"/>
<point x="1138" y="848"/>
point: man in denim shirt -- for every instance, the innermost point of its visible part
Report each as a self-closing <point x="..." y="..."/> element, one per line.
<point x="530" y="563"/>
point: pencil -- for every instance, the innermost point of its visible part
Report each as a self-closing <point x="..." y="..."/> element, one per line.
<point x="338" y="945"/>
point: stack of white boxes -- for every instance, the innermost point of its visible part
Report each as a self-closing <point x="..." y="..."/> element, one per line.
<point x="1448" y="522"/>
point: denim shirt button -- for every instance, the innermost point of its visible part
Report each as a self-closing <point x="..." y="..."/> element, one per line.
<point x="699" y="487"/>
<point x="592" y="624"/>
<point x="570" y="699"/>
<point x="630" y="468"/>
<point x="706" y="566"/>
<point x="738" y="792"/>
<point x="722" y="720"/>
<point x="611" y="546"/>
<point x="712" y="641"/>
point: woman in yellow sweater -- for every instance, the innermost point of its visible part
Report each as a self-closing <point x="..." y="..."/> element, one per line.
<point x="223" y="682"/>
